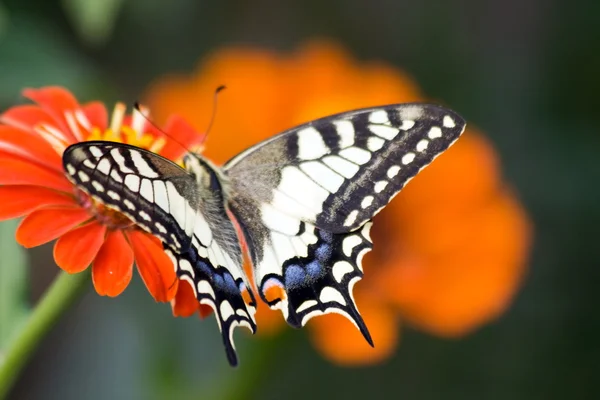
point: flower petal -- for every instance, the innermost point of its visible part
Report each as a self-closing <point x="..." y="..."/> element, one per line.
<point x="113" y="266"/>
<point x="154" y="266"/>
<point x="20" y="200"/>
<point x="179" y="134"/>
<point x="47" y="224"/>
<point x="269" y="320"/>
<point x="339" y="340"/>
<point x="184" y="304"/>
<point x="467" y="173"/>
<point x="205" y="310"/>
<point x="96" y="114"/>
<point x="27" y="117"/>
<point x="470" y="277"/>
<point x="57" y="102"/>
<point x="18" y="171"/>
<point x="75" y="250"/>
<point x="32" y="147"/>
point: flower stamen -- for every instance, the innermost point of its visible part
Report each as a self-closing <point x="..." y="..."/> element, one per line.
<point x="139" y="116"/>
<point x="72" y="122"/>
<point x="157" y="145"/>
<point x="83" y="119"/>
<point x="116" y="120"/>
<point x="53" y="136"/>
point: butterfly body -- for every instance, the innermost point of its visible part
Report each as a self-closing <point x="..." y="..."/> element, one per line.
<point x="303" y="201"/>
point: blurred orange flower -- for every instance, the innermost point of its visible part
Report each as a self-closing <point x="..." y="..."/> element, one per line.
<point x="33" y="185"/>
<point x="449" y="252"/>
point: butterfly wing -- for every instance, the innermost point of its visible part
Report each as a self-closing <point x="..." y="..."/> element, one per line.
<point x="151" y="190"/>
<point x="300" y="269"/>
<point x="165" y="200"/>
<point x="304" y="199"/>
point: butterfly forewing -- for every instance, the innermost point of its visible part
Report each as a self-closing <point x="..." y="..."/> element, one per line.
<point x="190" y="220"/>
<point x="339" y="171"/>
<point x="316" y="186"/>
<point x="157" y="194"/>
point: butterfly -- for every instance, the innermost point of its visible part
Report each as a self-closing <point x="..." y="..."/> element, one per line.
<point x="303" y="201"/>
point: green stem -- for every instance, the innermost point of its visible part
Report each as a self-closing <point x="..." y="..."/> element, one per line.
<point x="56" y="301"/>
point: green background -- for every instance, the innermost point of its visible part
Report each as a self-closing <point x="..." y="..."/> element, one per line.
<point x="526" y="72"/>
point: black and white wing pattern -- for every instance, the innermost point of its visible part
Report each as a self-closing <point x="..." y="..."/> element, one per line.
<point x="304" y="200"/>
<point x="188" y="216"/>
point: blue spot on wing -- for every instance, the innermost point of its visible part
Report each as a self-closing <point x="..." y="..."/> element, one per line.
<point x="326" y="236"/>
<point x="230" y="285"/>
<point x="314" y="269"/>
<point x="218" y="281"/>
<point x="323" y="253"/>
<point x="204" y="267"/>
<point x="294" y="276"/>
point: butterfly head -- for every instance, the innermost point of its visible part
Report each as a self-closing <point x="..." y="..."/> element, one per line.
<point x="205" y="173"/>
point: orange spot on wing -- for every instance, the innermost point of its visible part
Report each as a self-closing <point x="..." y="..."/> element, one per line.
<point x="274" y="291"/>
<point x="246" y="296"/>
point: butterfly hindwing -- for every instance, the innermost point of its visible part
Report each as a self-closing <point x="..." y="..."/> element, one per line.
<point x="218" y="288"/>
<point x="316" y="187"/>
<point x="191" y="221"/>
<point x="302" y="270"/>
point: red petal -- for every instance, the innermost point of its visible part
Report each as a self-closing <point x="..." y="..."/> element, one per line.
<point x="27" y="117"/>
<point x="155" y="267"/>
<point x="44" y="225"/>
<point x="113" y="266"/>
<point x="29" y="146"/>
<point x="75" y="250"/>
<point x="185" y="303"/>
<point x="56" y="101"/>
<point x="20" y="200"/>
<point x="18" y="171"/>
<point x="205" y="310"/>
<point x="179" y="134"/>
<point x="97" y="115"/>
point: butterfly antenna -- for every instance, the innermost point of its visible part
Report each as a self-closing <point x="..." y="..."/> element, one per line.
<point x="137" y="107"/>
<point x="214" y="112"/>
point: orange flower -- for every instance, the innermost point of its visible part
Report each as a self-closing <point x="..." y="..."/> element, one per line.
<point x="33" y="185"/>
<point x="449" y="251"/>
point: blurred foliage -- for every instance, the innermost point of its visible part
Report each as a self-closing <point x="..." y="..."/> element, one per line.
<point x="525" y="72"/>
<point x="94" y="20"/>
<point x="13" y="284"/>
<point x="48" y="59"/>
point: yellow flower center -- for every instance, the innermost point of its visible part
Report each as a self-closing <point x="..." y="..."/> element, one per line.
<point x="133" y="134"/>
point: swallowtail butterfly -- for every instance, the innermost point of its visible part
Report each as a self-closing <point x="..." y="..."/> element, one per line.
<point x="303" y="201"/>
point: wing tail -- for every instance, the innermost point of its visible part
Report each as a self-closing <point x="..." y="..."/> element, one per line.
<point x="232" y="301"/>
<point x="322" y="281"/>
